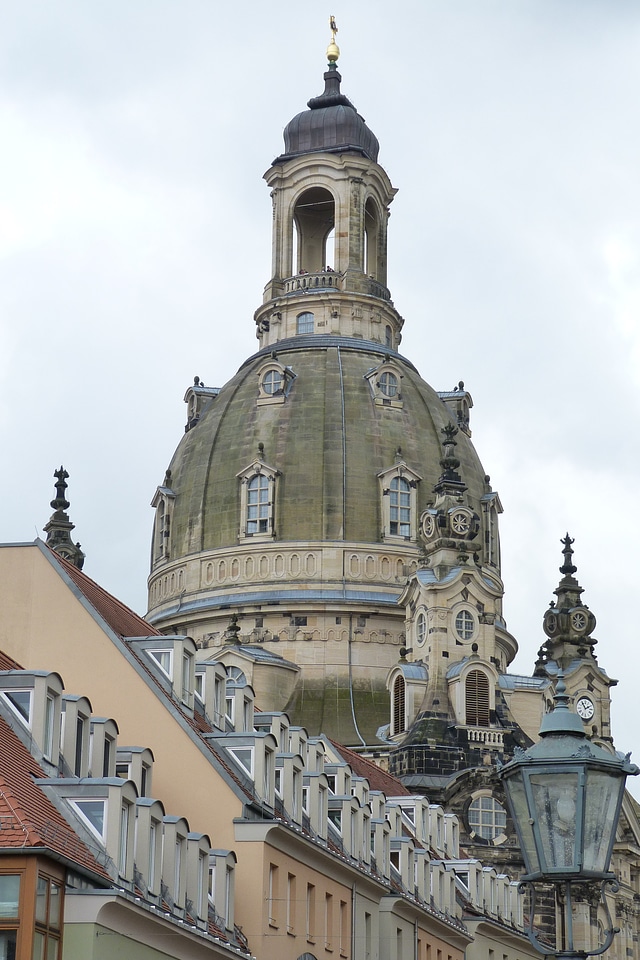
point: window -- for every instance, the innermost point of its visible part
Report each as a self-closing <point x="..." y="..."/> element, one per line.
<point x="304" y="323"/>
<point x="335" y="819"/>
<point x="421" y="628"/>
<point x="388" y="340"/>
<point x="257" y="497"/>
<point x="477" y="699"/>
<point x="244" y="756"/>
<point x="258" y="505"/>
<point x="400" y="508"/>
<point x="465" y="625"/>
<point x="20" y="703"/>
<point x="9" y="896"/>
<point x="272" y="894"/>
<point x="311" y="912"/>
<point x="92" y="812"/>
<point x="388" y="384"/>
<point x="272" y="382"/>
<point x="164" y="659"/>
<point x="487" y="817"/>
<point x="46" y="939"/>
<point x="199" y="686"/>
<point x="291" y="903"/>
<point x="398" y="706"/>
<point x="47" y="747"/>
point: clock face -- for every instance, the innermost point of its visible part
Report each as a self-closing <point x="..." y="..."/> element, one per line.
<point x="585" y="708"/>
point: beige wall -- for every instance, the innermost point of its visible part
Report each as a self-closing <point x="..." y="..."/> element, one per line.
<point x="46" y="627"/>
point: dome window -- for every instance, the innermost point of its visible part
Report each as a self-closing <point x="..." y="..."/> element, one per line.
<point x="163" y="502"/>
<point x="384" y="383"/>
<point x="304" y="323"/>
<point x="399" y="501"/>
<point x="274" y="382"/>
<point x="400" y="508"/>
<point x="421" y="628"/>
<point x="389" y="384"/>
<point x="257" y="498"/>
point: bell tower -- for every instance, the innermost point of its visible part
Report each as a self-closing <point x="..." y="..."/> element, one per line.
<point x="330" y="214"/>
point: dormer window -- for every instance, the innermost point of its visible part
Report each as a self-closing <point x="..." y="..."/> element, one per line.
<point x="274" y="382"/>
<point x="399" y="501"/>
<point x="385" y="384"/>
<point x="164" y="659"/>
<point x="388" y="384"/>
<point x="258" y="491"/>
<point x="93" y="814"/>
<point x="163" y="503"/>
<point x="20" y="702"/>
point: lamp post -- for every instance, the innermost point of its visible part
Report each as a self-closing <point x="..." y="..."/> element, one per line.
<point x="564" y="795"/>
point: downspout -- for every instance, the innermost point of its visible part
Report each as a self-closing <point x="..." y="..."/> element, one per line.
<point x="344" y="520"/>
<point x="353" y="921"/>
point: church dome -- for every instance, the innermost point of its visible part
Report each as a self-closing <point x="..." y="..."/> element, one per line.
<point x="331" y="125"/>
<point x="327" y="441"/>
<point x="309" y="489"/>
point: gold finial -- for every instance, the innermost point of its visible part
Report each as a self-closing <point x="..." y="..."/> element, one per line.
<point x="333" y="50"/>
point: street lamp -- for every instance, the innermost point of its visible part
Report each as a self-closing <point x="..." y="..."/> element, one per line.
<point x="564" y="795"/>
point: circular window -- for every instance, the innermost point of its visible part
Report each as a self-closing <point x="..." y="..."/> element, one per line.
<point x="389" y="384"/>
<point x="578" y="621"/>
<point x="421" y="628"/>
<point x="272" y="382"/>
<point x="460" y="523"/>
<point x="428" y="525"/>
<point x="487" y="818"/>
<point x="465" y="625"/>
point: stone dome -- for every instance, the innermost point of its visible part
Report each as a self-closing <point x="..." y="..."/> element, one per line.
<point x="331" y="124"/>
<point x="329" y="441"/>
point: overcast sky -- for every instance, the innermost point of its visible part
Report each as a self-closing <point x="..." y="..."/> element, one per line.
<point x="135" y="245"/>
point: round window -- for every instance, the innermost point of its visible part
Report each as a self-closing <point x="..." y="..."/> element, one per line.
<point x="272" y="382"/>
<point x="389" y="384"/>
<point x="487" y="817"/>
<point x="460" y="523"/>
<point x="421" y="628"/>
<point x="465" y="625"/>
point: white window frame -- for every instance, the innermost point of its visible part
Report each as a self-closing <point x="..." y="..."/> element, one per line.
<point x="246" y="477"/>
<point x="387" y="477"/>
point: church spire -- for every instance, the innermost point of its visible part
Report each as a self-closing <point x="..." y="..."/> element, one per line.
<point x="568" y="622"/>
<point x="59" y="527"/>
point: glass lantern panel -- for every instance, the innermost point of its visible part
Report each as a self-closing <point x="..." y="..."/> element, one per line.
<point x="524" y="822"/>
<point x="601" y="801"/>
<point x="555" y="797"/>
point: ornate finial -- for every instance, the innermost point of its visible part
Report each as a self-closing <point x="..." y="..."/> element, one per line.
<point x="398" y="454"/>
<point x="196" y="381"/>
<point x="60" y="502"/>
<point x="231" y="635"/>
<point x="167" y="478"/>
<point x="261" y="450"/>
<point x="333" y="50"/>
<point x="59" y="527"/>
<point x="567" y="568"/>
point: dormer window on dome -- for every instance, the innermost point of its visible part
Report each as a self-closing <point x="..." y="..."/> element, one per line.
<point x="399" y="501"/>
<point x="257" y="500"/>
<point x="385" y="383"/>
<point x="274" y="382"/>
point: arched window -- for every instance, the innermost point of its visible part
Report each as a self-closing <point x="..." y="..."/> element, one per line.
<point x="398" y="724"/>
<point x="487" y="817"/>
<point x="159" y="538"/>
<point x="258" y="504"/>
<point x="421" y="628"/>
<point x="465" y="625"/>
<point x="399" y="508"/>
<point x="388" y="337"/>
<point x="272" y="382"/>
<point x="314" y="218"/>
<point x="389" y="384"/>
<point x="477" y="699"/>
<point x="304" y="323"/>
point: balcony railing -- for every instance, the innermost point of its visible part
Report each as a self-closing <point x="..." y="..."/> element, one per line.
<point x="486" y="737"/>
<point x="313" y="282"/>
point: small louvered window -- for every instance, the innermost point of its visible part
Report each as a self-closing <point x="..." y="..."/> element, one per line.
<point x="477" y="699"/>
<point x="398" y="705"/>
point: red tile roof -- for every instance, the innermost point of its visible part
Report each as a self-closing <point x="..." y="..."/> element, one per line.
<point x="8" y="663"/>
<point x="120" y="618"/>
<point x="29" y="819"/>
<point x="378" y="778"/>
